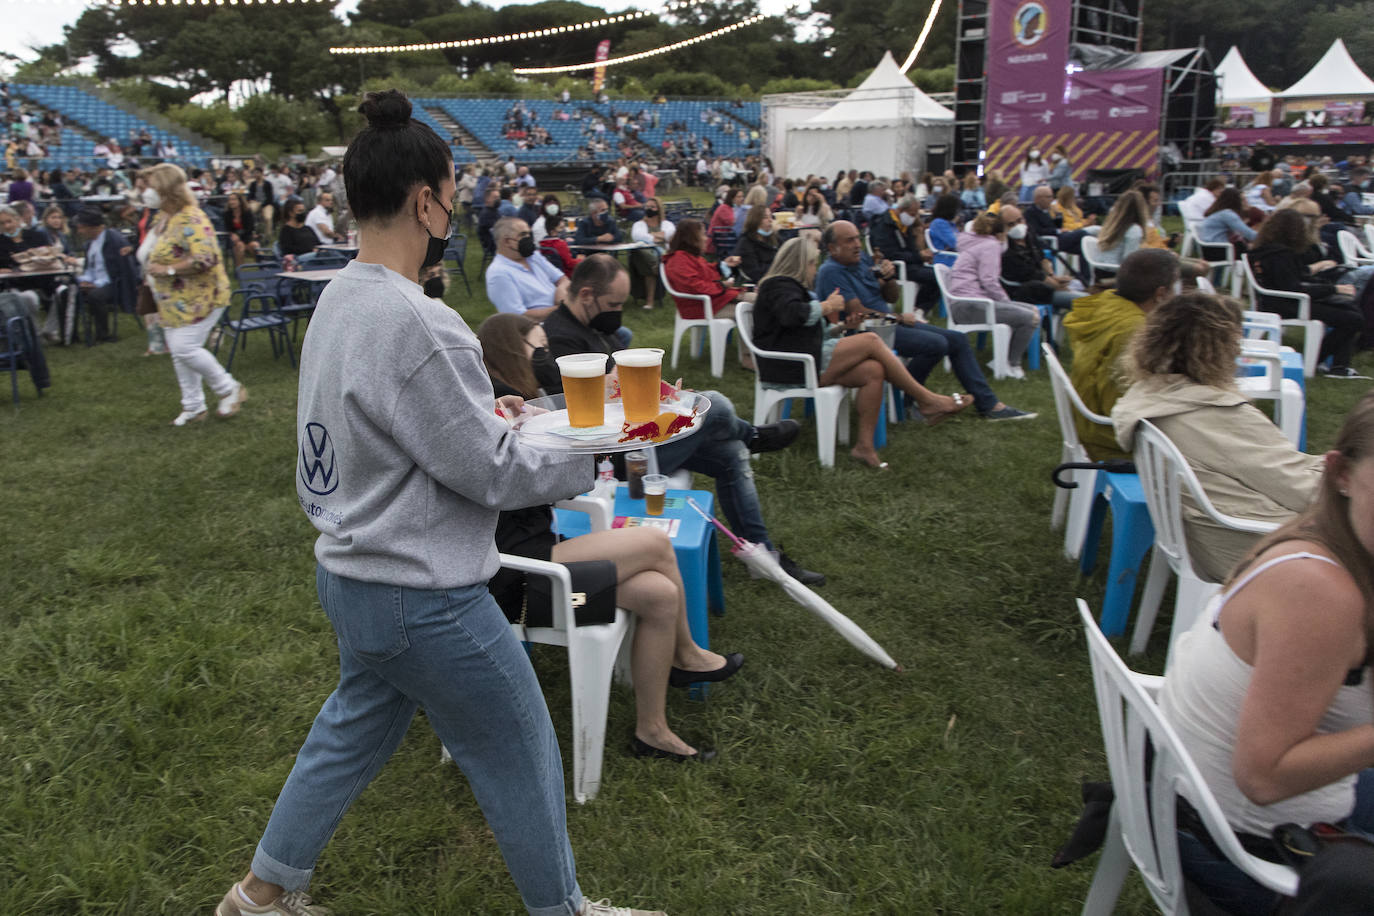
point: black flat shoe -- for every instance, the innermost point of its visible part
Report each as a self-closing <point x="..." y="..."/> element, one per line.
<point x="643" y="749"/>
<point x="681" y="677"/>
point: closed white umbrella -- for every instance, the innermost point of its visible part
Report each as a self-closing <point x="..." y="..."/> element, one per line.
<point x="761" y="561"/>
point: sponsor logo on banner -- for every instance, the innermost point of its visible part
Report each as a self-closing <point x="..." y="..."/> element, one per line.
<point x="1030" y="23"/>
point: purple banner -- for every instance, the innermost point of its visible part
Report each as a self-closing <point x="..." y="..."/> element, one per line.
<point x="1294" y="136"/>
<point x="1028" y="46"/>
<point x="1111" y="99"/>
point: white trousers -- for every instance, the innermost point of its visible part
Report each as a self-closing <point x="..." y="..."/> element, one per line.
<point x="193" y="363"/>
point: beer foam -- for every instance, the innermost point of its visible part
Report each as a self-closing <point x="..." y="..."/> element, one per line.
<point x="639" y="357"/>
<point x="582" y="365"/>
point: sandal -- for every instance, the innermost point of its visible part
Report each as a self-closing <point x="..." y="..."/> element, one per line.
<point x="961" y="402"/>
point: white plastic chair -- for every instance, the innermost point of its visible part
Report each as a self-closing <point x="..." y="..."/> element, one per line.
<point x="1290" y="402"/>
<point x="832" y="404"/>
<point x="1166" y="478"/>
<point x="1352" y="252"/>
<point x="1229" y="276"/>
<point x="718" y="328"/>
<point x="1079" y="501"/>
<point x="1190" y="240"/>
<point x="1092" y="253"/>
<point x="1312" y="330"/>
<point x="1150" y="768"/>
<point x="1001" y="333"/>
<point x="593" y="652"/>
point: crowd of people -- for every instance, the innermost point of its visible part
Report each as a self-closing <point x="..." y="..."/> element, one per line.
<point x="405" y="391"/>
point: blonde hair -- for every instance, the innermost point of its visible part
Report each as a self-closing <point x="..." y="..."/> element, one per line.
<point x="757" y="196"/>
<point x="987" y="223"/>
<point x="169" y="181"/>
<point x="1130" y="210"/>
<point x="1196" y="335"/>
<point x="793" y="259"/>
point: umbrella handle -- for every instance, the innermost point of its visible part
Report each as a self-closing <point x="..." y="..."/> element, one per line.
<point x="710" y="518"/>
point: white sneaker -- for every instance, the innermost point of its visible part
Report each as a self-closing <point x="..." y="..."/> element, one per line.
<point x="230" y="403"/>
<point x="187" y="416"/>
<point x="604" y="908"/>
<point x="291" y="903"/>
<point x="1017" y="373"/>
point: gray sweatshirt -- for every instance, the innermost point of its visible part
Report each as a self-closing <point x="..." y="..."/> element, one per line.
<point x="402" y="462"/>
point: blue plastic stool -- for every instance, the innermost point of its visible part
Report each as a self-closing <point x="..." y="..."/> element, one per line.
<point x="1132" y="537"/>
<point x="1033" y="352"/>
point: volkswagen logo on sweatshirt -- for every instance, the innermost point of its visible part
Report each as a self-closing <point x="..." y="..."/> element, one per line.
<point x="318" y="470"/>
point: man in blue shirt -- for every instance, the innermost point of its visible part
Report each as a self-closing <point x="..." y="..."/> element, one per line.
<point x="875" y="201"/>
<point x="869" y="287"/>
<point x="519" y="280"/>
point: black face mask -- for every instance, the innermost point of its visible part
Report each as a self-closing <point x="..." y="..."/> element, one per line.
<point x="651" y="213"/>
<point x="606" y="322"/>
<point x="543" y="362"/>
<point x="434" y="287"/>
<point x="525" y="246"/>
<point x="434" y="251"/>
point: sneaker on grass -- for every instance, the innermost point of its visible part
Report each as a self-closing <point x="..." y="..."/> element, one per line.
<point x="604" y="908"/>
<point x="1009" y="413"/>
<point x="1346" y="372"/>
<point x="291" y="903"/>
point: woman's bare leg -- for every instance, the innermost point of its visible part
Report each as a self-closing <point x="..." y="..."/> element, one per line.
<point x="853" y="351"/>
<point x="867" y="378"/>
<point x="649" y="586"/>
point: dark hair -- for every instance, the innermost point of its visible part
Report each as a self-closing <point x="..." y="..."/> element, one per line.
<point x="1227" y="199"/>
<point x="1318" y="182"/>
<point x="1285" y="227"/>
<point x="390" y="156"/>
<point x="1145" y="270"/>
<point x="596" y="272"/>
<point x="503" y="351"/>
<point x="90" y="216"/>
<point x="947" y="207"/>
<point x="690" y="237"/>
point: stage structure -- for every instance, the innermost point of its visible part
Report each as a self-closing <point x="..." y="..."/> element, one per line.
<point x="1035" y="74"/>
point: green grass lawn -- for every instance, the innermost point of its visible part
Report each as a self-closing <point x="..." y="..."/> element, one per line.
<point x="166" y="655"/>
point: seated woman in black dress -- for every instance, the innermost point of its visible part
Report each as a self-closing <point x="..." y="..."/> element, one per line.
<point x="639" y="561"/>
<point x="787" y="318"/>
<point x="296" y="237"/>
<point x="757" y="246"/>
<point x="1281" y="258"/>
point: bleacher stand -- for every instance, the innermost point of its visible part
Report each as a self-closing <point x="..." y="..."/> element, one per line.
<point x="82" y="109"/>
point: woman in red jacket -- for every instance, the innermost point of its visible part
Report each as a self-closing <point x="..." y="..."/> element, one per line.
<point x="723" y="217"/>
<point x="690" y="273"/>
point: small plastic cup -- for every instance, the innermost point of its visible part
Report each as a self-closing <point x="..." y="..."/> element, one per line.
<point x="655" y="489"/>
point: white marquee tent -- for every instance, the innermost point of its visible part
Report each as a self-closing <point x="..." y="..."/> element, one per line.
<point x="884" y="126"/>
<point x="1336" y="75"/>
<point x="1236" y="85"/>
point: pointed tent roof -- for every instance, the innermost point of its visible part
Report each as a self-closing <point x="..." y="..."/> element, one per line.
<point x="1235" y="81"/>
<point x="877" y="101"/>
<point x="1336" y="74"/>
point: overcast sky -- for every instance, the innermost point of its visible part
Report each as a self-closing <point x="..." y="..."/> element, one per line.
<point x="40" y="22"/>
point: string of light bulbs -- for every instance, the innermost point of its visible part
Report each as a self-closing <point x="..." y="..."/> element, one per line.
<point x="210" y="2"/>
<point x="921" y="39"/>
<point x="628" y="58"/>
<point x="492" y="39"/>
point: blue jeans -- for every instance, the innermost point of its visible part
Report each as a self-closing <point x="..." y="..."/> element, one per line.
<point x="721" y="450"/>
<point x="1235" y="891"/>
<point x="924" y="345"/>
<point x="452" y="652"/>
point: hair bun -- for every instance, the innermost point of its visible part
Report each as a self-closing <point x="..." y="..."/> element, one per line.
<point x="390" y="108"/>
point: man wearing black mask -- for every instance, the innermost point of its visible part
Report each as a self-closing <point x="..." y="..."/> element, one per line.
<point x="597" y="227"/>
<point x="519" y="279"/>
<point x="586" y="323"/>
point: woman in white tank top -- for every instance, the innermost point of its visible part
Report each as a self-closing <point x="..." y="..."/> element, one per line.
<point x="1271" y="692"/>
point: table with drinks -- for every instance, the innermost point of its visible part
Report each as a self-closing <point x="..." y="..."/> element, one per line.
<point x="583" y="420"/>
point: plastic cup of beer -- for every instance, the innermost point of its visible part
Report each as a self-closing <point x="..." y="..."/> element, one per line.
<point x="655" y="489"/>
<point x="640" y="370"/>
<point x="584" y="388"/>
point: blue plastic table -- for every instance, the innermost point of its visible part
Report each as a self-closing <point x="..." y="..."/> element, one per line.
<point x="1132" y="537"/>
<point x="698" y="559"/>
